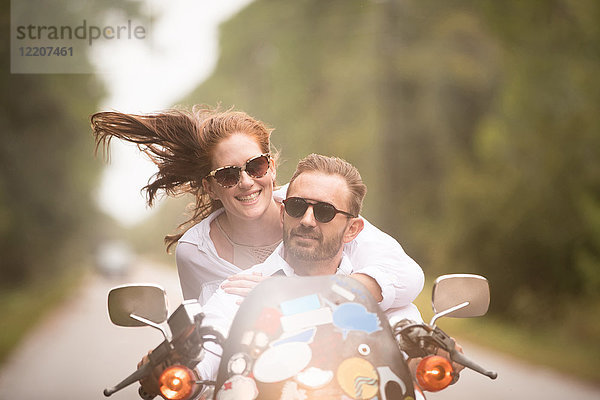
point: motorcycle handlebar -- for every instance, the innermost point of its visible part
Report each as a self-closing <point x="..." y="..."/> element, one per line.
<point x="460" y="358"/>
<point x="417" y="339"/>
<point x="134" y="377"/>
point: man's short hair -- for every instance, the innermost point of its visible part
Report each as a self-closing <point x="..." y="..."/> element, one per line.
<point x="336" y="166"/>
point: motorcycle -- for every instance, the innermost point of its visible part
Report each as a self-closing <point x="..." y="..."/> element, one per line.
<point x="319" y="337"/>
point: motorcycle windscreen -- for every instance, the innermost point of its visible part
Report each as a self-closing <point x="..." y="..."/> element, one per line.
<point x="312" y="337"/>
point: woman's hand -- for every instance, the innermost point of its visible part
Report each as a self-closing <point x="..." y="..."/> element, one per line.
<point x="242" y="284"/>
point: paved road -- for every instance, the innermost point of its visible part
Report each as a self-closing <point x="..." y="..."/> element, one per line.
<point x="76" y="352"/>
<point x="516" y="380"/>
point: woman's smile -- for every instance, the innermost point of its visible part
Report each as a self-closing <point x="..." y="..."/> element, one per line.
<point x="250" y="197"/>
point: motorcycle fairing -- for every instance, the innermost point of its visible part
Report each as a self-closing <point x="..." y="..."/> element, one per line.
<point x="300" y="313"/>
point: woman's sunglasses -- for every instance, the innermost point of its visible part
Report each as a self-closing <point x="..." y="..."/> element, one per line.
<point x="324" y="212"/>
<point x="229" y="176"/>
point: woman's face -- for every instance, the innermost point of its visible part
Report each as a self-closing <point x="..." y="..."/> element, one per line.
<point x="251" y="197"/>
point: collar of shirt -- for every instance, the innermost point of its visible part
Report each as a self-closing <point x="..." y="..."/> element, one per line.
<point x="275" y="263"/>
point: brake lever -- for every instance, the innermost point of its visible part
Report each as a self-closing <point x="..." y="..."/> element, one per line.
<point x="449" y="344"/>
<point x="157" y="356"/>
<point x="460" y="358"/>
<point x="138" y="374"/>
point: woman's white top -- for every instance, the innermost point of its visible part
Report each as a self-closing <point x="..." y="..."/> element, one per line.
<point x="372" y="252"/>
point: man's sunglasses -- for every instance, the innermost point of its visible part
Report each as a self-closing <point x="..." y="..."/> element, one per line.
<point x="324" y="212"/>
<point x="229" y="176"/>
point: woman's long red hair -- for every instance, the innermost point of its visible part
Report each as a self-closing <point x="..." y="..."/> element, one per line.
<point x="180" y="143"/>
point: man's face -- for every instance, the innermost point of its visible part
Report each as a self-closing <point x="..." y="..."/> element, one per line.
<point x="305" y="238"/>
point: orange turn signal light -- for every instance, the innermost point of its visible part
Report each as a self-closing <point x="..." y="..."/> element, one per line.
<point x="177" y="383"/>
<point x="434" y="373"/>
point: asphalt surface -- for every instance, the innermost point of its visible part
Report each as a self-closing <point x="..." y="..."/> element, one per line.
<point x="516" y="380"/>
<point x="75" y="352"/>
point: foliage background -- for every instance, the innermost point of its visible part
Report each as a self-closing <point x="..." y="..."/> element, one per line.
<point x="49" y="224"/>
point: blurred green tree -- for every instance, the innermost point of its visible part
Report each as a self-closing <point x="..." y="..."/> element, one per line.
<point x="47" y="172"/>
<point x="528" y="199"/>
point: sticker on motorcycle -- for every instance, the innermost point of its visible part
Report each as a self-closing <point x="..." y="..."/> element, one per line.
<point x="300" y="305"/>
<point x="291" y="391"/>
<point x="261" y="340"/>
<point x="357" y="292"/>
<point x="282" y="362"/>
<point x="355" y="317"/>
<point x="306" y="319"/>
<point x="255" y="342"/>
<point x="358" y="378"/>
<point x="386" y="376"/>
<point x="364" y="349"/>
<point x="348" y="295"/>
<point x="238" y="387"/>
<point x="268" y="321"/>
<point x="239" y="364"/>
<point x="314" y="378"/>
<point x="306" y="336"/>
<point x="247" y="338"/>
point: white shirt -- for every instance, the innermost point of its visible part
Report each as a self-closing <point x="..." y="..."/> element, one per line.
<point x="372" y="252"/>
<point x="221" y="308"/>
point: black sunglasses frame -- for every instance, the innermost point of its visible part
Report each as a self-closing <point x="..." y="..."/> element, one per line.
<point x="316" y="205"/>
<point x="240" y="170"/>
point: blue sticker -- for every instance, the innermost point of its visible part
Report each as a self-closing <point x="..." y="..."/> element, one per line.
<point x="355" y="317"/>
<point x="356" y="291"/>
<point x="304" y="337"/>
<point x="301" y="304"/>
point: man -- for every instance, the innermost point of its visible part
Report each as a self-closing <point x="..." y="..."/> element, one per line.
<point x="319" y="215"/>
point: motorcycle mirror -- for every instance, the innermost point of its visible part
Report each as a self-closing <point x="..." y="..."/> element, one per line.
<point x="146" y="301"/>
<point x="468" y="294"/>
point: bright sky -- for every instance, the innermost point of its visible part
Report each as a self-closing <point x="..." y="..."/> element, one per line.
<point x="181" y="53"/>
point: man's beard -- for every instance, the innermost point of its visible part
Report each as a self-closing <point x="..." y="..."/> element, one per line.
<point x="322" y="250"/>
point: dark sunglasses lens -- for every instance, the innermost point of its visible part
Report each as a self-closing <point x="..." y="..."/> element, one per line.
<point x="324" y="212"/>
<point x="295" y="207"/>
<point x="228" y="176"/>
<point x="258" y="167"/>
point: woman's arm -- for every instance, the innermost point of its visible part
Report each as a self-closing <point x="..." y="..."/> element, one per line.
<point x="199" y="273"/>
<point x="187" y="269"/>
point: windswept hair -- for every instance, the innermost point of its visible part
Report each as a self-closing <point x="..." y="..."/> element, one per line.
<point x="335" y="166"/>
<point x="181" y="144"/>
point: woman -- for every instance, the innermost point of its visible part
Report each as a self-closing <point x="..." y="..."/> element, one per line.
<point x="224" y="159"/>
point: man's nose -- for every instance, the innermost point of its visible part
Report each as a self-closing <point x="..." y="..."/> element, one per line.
<point x="308" y="219"/>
